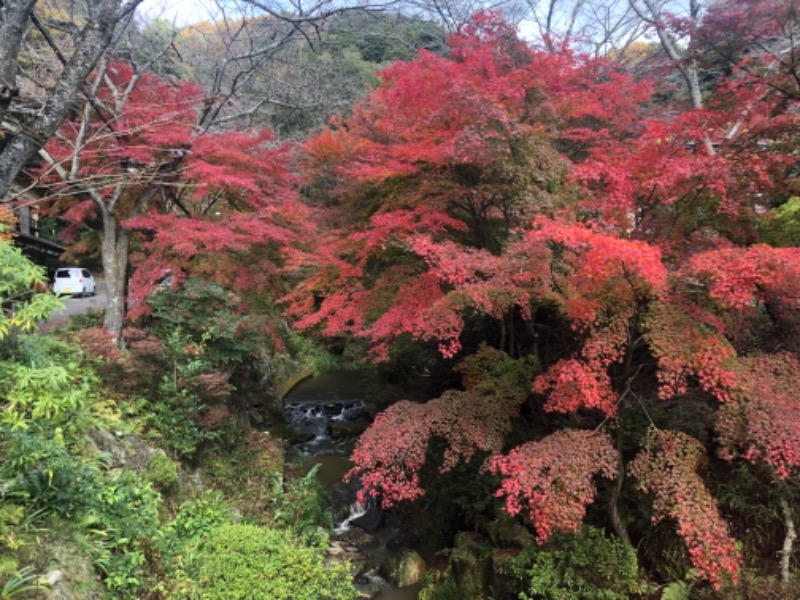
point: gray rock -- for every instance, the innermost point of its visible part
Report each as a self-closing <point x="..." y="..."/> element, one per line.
<point x="123" y="451"/>
<point x="405" y="568"/>
<point x="357" y="537"/>
<point x="53" y="577"/>
<point x="339" y="552"/>
<point x="371" y="521"/>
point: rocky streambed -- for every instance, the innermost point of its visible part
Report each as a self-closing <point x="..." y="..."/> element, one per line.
<point x="326" y="413"/>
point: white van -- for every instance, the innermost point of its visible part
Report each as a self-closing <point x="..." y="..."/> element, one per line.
<point x="75" y="281"/>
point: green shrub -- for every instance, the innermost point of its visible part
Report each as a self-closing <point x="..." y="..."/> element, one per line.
<point x="194" y="521"/>
<point x="245" y="561"/>
<point x="583" y="566"/>
<point x="42" y="471"/>
<point x="173" y="415"/>
<point x="207" y="316"/>
<point x="123" y="517"/>
<point x="177" y="542"/>
<point x="21" y="309"/>
<point x="162" y="471"/>
<point x="304" y="509"/>
<point x="446" y="589"/>
<point x="10" y="517"/>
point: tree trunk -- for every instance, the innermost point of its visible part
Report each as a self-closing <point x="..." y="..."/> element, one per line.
<point x="14" y="16"/>
<point x="788" y="540"/>
<point x="90" y="44"/>
<point x="116" y="242"/>
<point x="613" y="502"/>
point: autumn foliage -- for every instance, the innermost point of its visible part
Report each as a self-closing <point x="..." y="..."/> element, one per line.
<point x="586" y="251"/>
<point x="515" y="184"/>
<point x="554" y="482"/>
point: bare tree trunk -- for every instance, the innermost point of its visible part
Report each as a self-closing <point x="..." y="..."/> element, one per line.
<point x="788" y="540"/>
<point x="13" y="22"/>
<point x="91" y="43"/>
<point x="613" y="502"/>
<point x="116" y="242"/>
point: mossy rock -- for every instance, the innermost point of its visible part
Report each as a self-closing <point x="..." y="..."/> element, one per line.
<point x="405" y="568"/>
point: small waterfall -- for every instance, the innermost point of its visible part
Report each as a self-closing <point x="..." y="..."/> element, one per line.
<point x="311" y="421"/>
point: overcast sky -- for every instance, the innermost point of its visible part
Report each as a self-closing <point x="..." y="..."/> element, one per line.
<point x="182" y="12"/>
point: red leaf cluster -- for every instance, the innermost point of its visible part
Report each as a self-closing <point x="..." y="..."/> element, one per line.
<point x="762" y="422"/>
<point x="667" y="469"/>
<point x="553" y="478"/>
<point x="391" y="453"/>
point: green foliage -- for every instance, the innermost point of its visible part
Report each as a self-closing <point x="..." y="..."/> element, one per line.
<point x="22" y="308"/>
<point x="783" y="228"/>
<point x="203" y="316"/>
<point x="583" y="566"/>
<point x="245" y="561"/>
<point x="195" y="520"/>
<point x="46" y="386"/>
<point x="41" y="470"/>
<point x="680" y="590"/>
<point x="178" y="541"/>
<point x="175" y="404"/>
<point x="173" y="413"/>
<point x="494" y="367"/>
<point x="56" y="393"/>
<point x="442" y="590"/>
<point x="250" y="474"/>
<point x="21" y="583"/>
<point x="162" y="471"/>
<point x="462" y="498"/>
<point x="123" y="514"/>
<point x="10" y="517"/>
<point x="304" y="509"/>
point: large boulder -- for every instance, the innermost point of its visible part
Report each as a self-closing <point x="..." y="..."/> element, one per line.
<point x="405" y="568"/>
<point x="357" y="537"/>
<point x="121" y="450"/>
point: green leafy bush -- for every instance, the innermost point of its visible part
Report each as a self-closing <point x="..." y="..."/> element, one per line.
<point x="584" y="566"/>
<point x="41" y="471"/>
<point x="194" y="521"/>
<point x="10" y="517"/>
<point x="162" y="471"/>
<point x="22" y="308"/>
<point x="304" y="509"/>
<point x="245" y="561"/>
<point x="208" y="317"/>
<point x="123" y="517"/>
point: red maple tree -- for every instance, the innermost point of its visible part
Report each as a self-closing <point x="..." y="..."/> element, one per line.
<point x="141" y="163"/>
<point x="520" y="184"/>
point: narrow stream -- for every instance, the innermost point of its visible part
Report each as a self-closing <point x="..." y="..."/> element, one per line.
<point x="312" y="408"/>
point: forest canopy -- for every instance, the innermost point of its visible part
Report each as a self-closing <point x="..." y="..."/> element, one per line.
<point x="575" y="256"/>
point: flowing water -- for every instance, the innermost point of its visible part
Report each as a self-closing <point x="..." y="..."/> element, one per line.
<point x="311" y="408"/>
